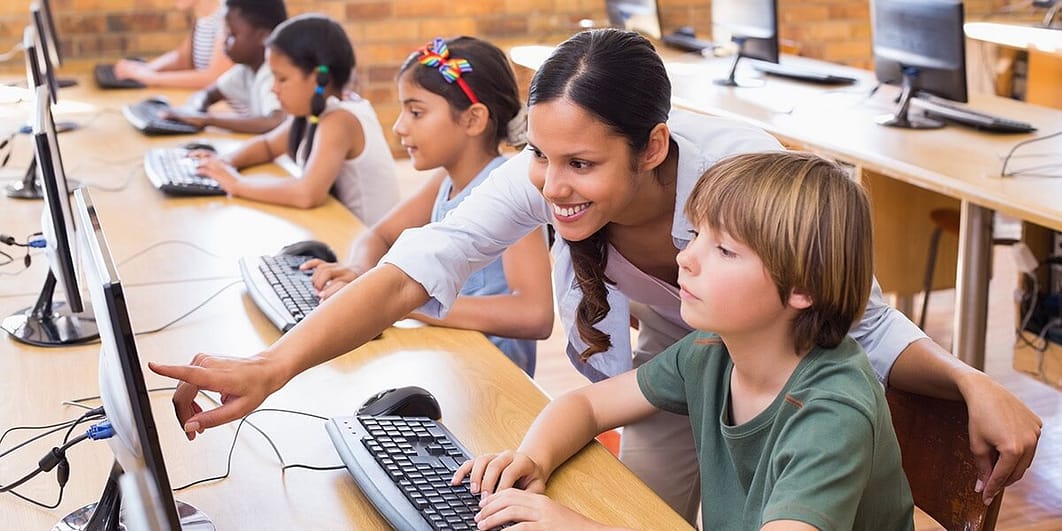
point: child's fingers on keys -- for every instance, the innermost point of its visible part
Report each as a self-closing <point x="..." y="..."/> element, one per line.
<point x="461" y="472"/>
<point x="493" y="472"/>
<point x="479" y="467"/>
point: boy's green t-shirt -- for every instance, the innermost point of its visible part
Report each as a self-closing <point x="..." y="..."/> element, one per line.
<point x="824" y="452"/>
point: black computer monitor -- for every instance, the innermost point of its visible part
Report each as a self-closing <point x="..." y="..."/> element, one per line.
<point x="135" y="443"/>
<point x="750" y="24"/>
<point x="44" y="52"/>
<point x="48" y="323"/>
<point x="920" y="45"/>
<point x="635" y="15"/>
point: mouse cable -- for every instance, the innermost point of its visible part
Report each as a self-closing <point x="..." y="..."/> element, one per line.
<point x="190" y="312"/>
<point x="143" y="251"/>
<point x="10" y="54"/>
<point x="1006" y="159"/>
<point x="130" y="175"/>
<point x="284" y="466"/>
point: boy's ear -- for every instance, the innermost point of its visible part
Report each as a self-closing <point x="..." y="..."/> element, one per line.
<point x="476" y="119"/>
<point x="799" y="300"/>
<point x="656" y="149"/>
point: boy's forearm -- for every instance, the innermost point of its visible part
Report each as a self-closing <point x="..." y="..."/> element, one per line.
<point x="240" y="124"/>
<point x="563" y="428"/>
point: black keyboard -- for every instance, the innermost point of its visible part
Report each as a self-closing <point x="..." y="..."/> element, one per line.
<point x="404" y="466"/>
<point x="173" y="172"/>
<point x="686" y="42"/>
<point x="277" y="286"/>
<point x="940" y="110"/>
<point x="803" y="74"/>
<point x="145" y="117"/>
<point x="105" y="78"/>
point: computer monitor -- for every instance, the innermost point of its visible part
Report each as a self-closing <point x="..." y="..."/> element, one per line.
<point x="920" y="45"/>
<point x="636" y="15"/>
<point x="135" y="443"/>
<point x="28" y="188"/>
<point x="48" y="323"/>
<point x="44" y="53"/>
<point x="750" y="24"/>
<point x="52" y="33"/>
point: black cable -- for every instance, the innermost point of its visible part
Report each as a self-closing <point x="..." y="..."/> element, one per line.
<point x="1006" y="159"/>
<point x="92" y="413"/>
<point x="284" y="466"/>
<point x="189" y="312"/>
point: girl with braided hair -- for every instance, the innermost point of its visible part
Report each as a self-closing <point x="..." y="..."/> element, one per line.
<point x="337" y="143"/>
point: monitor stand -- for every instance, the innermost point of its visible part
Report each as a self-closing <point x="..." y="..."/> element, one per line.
<point x="902" y="117"/>
<point x="731" y="80"/>
<point x="30" y="188"/>
<point x="109" y="516"/>
<point x="48" y="324"/>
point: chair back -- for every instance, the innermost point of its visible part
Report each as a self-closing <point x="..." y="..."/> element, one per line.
<point x="938" y="463"/>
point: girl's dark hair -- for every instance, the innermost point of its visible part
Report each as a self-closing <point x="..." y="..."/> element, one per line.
<point x="618" y="78"/>
<point x="309" y="42"/>
<point x="265" y="14"/>
<point x="491" y="80"/>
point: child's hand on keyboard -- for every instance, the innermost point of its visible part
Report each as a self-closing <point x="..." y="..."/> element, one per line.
<point x="215" y="168"/>
<point x="495" y="472"/>
<point x="328" y="277"/>
<point x="537" y="510"/>
<point x="197" y="119"/>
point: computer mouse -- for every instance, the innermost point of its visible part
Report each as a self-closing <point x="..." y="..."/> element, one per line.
<point x="410" y="401"/>
<point x="311" y="248"/>
<point x="685" y="31"/>
<point x="192" y="146"/>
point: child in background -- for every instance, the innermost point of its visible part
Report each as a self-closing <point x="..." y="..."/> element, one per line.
<point x="339" y="145"/>
<point x="195" y="63"/>
<point x="247" y="86"/>
<point x="459" y="102"/>
<point x="792" y="427"/>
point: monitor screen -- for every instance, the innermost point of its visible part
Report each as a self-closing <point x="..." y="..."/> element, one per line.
<point x="752" y="24"/>
<point x="43" y="52"/>
<point x="52" y="34"/>
<point x="135" y="443"/>
<point x="922" y="40"/>
<point x="636" y="15"/>
<point x="57" y="221"/>
<point x="33" y="63"/>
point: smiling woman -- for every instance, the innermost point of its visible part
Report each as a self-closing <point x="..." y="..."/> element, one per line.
<point x="610" y="167"/>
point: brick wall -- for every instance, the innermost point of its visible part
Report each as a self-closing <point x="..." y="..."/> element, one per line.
<point x="385" y="31"/>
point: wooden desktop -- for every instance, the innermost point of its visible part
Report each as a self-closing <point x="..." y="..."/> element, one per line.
<point x="486" y="400"/>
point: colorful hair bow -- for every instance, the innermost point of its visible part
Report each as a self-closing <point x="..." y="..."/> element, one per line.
<point x="436" y="55"/>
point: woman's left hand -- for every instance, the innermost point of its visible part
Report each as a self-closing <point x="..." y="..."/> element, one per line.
<point x="529" y="512"/>
<point x="1003" y="433"/>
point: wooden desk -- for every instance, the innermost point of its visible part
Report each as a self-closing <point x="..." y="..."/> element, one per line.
<point x="1044" y="48"/>
<point x="960" y="165"/>
<point x="487" y="401"/>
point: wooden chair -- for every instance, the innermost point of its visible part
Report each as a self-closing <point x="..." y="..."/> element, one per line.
<point x="935" y="446"/>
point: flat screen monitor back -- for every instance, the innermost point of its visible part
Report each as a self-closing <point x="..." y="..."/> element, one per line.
<point x="43" y="52"/>
<point x="636" y="15"/>
<point x="48" y="324"/>
<point x="135" y="443"/>
<point x="53" y="32"/>
<point x="753" y="24"/>
<point x="920" y="45"/>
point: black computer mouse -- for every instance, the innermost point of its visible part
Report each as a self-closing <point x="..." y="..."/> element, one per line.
<point x="192" y="146"/>
<point x="410" y="401"/>
<point x="311" y="248"/>
<point x="685" y="31"/>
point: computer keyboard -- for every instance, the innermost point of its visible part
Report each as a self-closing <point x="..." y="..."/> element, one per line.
<point x="173" y="172"/>
<point x="105" y="78"/>
<point x="404" y="466"/>
<point x="940" y="110"/>
<point x="803" y="74"/>
<point x="686" y="42"/>
<point x="277" y="286"/>
<point x="145" y="117"/>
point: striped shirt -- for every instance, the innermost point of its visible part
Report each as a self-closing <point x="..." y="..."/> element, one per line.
<point x="204" y="35"/>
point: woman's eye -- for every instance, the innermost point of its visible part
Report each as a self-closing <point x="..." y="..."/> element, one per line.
<point x="536" y="153"/>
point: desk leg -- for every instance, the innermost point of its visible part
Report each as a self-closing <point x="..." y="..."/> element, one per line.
<point x="971" y="284"/>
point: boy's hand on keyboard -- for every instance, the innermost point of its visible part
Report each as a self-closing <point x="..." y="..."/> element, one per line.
<point x="328" y="277"/>
<point x="495" y="472"/>
<point x="531" y="511"/>
<point x="197" y="119"/>
<point x="244" y="383"/>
